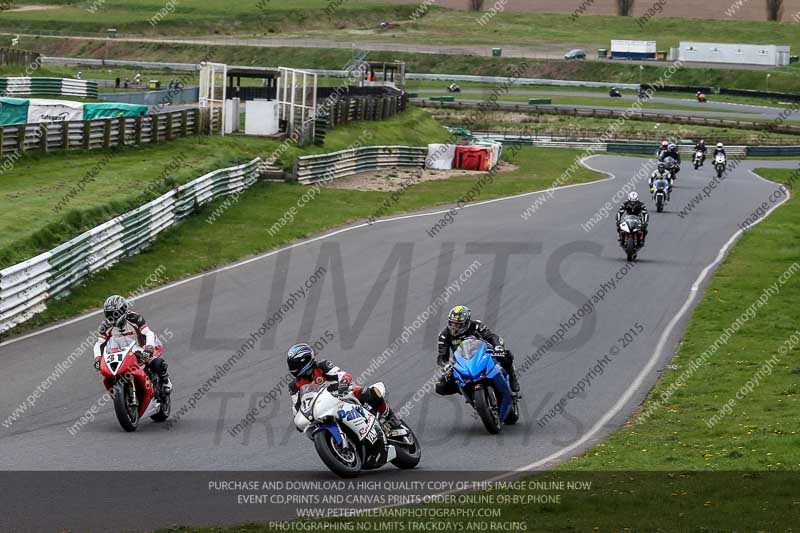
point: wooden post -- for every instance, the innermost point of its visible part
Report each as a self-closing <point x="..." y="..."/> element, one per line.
<point x="21" y="138"/>
<point x="42" y="128"/>
<point x="184" y="123"/>
<point x="65" y="135"/>
<point x="138" y="130"/>
<point x="107" y="134"/>
<point x="87" y="135"/>
<point x="168" y="117"/>
<point x="2" y="140"/>
<point x="121" y="126"/>
<point x="154" y="129"/>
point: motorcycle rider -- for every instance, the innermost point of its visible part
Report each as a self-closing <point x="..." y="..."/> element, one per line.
<point x="661" y="173"/>
<point x="662" y="150"/>
<point x="121" y="321"/>
<point x="720" y="149"/>
<point x="306" y="369"/>
<point x="632" y="206"/>
<point x="701" y="147"/>
<point x="460" y="326"/>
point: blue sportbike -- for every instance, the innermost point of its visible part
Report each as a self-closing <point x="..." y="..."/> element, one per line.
<point x="484" y="384"/>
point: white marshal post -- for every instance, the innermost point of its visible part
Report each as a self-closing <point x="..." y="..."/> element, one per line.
<point x="213" y="86"/>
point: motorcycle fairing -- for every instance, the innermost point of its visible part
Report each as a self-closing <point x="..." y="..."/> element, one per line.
<point x="474" y="364"/>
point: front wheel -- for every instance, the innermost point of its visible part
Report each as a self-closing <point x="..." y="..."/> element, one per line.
<point x="630" y="247"/>
<point x="659" y="204"/>
<point x="126" y="409"/>
<point x="720" y="170"/>
<point x="408" y="451"/>
<point x="486" y="405"/>
<point x="344" y="462"/>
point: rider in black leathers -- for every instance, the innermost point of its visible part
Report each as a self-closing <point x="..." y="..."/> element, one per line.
<point x="632" y="206"/>
<point x="459" y="327"/>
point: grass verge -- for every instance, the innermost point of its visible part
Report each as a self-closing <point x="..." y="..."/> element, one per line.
<point x="196" y="246"/>
<point x="55" y="197"/>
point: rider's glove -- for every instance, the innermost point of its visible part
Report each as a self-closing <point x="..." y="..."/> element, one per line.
<point x="499" y="349"/>
<point x="344" y="387"/>
<point x="97" y="364"/>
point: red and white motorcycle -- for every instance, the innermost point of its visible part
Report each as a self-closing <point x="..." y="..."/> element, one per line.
<point x="134" y="389"/>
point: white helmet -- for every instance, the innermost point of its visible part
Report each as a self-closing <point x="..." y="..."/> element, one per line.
<point x="719" y="145"/>
<point x="633" y="197"/>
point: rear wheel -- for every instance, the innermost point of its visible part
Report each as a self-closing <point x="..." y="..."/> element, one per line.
<point x="344" y="462"/>
<point x="408" y="451"/>
<point x="486" y="405"/>
<point x="630" y="247"/>
<point x="127" y="410"/>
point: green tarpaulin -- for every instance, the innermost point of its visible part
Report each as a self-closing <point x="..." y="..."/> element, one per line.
<point x="13" y="111"/>
<point x="113" y="110"/>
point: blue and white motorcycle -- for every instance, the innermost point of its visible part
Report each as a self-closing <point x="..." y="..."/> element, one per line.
<point x="348" y="437"/>
<point x="484" y="384"/>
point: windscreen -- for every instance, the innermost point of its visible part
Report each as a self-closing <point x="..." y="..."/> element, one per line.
<point x="469" y="348"/>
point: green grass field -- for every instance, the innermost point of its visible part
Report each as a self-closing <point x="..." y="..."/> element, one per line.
<point x="359" y="21"/>
<point x="196" y="245"/>
<point x="90" y="188"/>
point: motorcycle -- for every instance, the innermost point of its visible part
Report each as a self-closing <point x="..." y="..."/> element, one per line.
<point x="135" y="391"/>
<point x="701" y="97"/>
<point x="660" y="193"/>
<point x="672" y="167"/>
<point x="631" y="235"/>
<point x="719" y="164"/>
<point x="698" y="159"/>
<point x="614" y="93"/>
<point x="484" y="384"/>
<point x="348" y="437"/>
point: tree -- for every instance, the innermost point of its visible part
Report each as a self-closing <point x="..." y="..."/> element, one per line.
<point x="774" y="9"/>
<point x="476" y="5"/>
<point x="624" y="8"/>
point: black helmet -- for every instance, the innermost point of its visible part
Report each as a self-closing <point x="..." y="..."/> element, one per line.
<point x="116" y="310"/>
<point x="300" y="359"/>
<point x="662" y="167"/>
<point x="458" y="320"/>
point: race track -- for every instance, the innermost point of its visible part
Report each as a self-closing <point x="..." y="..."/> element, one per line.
<point x="532" y="275"/>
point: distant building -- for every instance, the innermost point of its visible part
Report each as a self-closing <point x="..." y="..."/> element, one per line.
<point x="742" y="54"/>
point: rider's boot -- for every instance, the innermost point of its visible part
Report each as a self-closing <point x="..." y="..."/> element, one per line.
<point x="166" y="384"/>
<point x="513" y="380"/>
<point x="392" y="419"/>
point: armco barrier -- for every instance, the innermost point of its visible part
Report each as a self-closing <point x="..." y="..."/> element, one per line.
<point x="761" y="94"/>
<point x="776" y="151"/>
<point x="28" y="86"/>
<point x="608" y="113"/>
<point x="313" y="168"/>
<point x="26" y="287"/>
<point x="101" y="133"/>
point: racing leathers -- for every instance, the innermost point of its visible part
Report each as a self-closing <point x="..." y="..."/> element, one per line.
<point x="702" y="148"/>
<point x="137" y="330"/>
<point x="323" y="372"/>
<point x="656" y="175"/>
<point x="636" y="208"/>
<point x="448" y="343"/>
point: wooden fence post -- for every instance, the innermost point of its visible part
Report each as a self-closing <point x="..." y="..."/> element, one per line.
<point x="184" y="123"/>
<point x="65" y="135"/>
<point x="137" y="128"/>
<point x="42" y="129"/>
<point x="121" y="128"/>
<point x="2" y="140"/>
<point x="107" y="134"/>
<point x="168" y="134"/>
<point x="21" y="138"/>
<point x="87" y="135"/>
<point x="154" y="129"/>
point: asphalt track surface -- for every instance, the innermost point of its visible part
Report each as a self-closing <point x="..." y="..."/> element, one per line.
<point x="554" y="266"/>
<point x="721" y="110"/>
